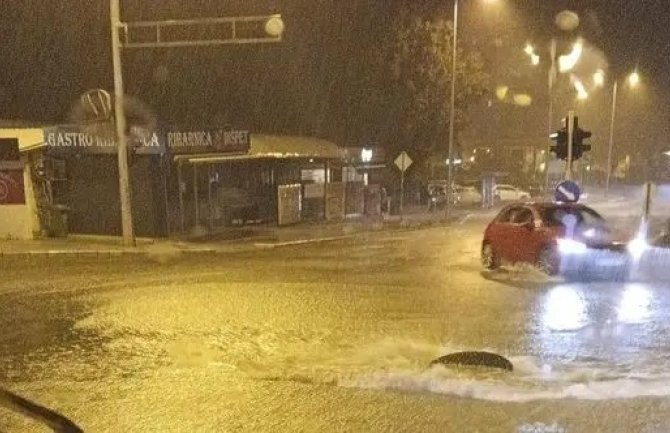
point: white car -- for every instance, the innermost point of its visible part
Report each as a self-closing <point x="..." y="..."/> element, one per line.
<point x="468" y="195"/>
<point x="505" y="192"/>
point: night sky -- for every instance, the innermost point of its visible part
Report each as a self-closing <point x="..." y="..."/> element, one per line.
<point x="53" y="51"/>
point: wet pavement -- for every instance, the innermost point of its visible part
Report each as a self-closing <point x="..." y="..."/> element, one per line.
<point x="332" y="336"/>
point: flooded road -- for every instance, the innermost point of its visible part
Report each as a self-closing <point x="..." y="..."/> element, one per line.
<point x="332" y="337"/>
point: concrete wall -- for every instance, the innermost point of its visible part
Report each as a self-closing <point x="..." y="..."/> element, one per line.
<point x="15" y="222"/>
<point x="21" y="221"/>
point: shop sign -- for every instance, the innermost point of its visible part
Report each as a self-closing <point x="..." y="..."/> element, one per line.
<point x="72" y="140"/>
<point x="208" y="141"/>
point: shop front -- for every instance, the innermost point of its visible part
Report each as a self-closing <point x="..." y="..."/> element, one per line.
<point x="279" y="180"/>
<point x="181" y="181"/>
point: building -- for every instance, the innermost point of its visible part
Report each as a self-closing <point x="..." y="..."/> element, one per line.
<point x="181" y="181"/>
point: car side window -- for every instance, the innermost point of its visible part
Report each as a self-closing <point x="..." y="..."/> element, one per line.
<point x="523" y="216"/>
<point x="508" y="215"/>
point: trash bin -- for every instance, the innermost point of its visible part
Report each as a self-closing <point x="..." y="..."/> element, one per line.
<point x="58" y="223"/>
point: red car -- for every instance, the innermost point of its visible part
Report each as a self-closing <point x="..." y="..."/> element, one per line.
<point x="560" y="238"/>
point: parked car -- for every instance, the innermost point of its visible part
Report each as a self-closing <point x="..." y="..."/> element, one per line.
<point x="437" y="195"/>
<point x="560" y="238"/>
<point x="468" y="195"/>
<point x="504" y="192"/>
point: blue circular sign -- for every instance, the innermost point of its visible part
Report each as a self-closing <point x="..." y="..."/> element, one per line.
<point x="567" y="192"/>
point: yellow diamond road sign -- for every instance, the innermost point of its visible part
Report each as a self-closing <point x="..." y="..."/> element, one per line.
<point x="403" y="161"/>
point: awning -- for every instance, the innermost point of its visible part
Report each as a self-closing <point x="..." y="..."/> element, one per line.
<point x="28" y="138"/>
<point x="272" y="147"/>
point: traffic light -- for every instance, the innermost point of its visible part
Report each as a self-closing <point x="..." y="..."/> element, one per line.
<point x="560" y="146"/>
<point x="578" y="137"/>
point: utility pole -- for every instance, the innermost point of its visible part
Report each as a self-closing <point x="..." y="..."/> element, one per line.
<point x="550" y="92"/>
<point x="274" y="27"/>
<point x="452" y="114"/>
<point x="120" y="124"/>
<point x="611" y="141"/>
<point x="571" y="133"/>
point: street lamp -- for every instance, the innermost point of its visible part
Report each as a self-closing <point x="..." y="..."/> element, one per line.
<point x="633" y="80"/>
<point x="452" y="114"/>
<point x="582" y="94"/>
<point x="599" y="78"/>
<point x="534" y="58"/>
<point x="567" y="62"/>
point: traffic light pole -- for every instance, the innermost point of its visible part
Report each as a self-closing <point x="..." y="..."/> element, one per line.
<point x="550" y="91"/>
<point x="274" y="27"/>
<point x="571" y="133"/>
<point x="120" y="123"/>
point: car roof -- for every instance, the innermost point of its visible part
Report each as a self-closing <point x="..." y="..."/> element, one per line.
<point x="542" y="206"/>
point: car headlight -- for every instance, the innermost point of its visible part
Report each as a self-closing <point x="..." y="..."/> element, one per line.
<point x="571" y="246"/>
<point x="590" y="233"/>
<point x="637" y="247"/>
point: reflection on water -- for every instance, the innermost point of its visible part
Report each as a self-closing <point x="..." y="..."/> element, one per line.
<point x="564" y="309"/>
<point x="635" y="304"/>
<point x="41" y="335"/>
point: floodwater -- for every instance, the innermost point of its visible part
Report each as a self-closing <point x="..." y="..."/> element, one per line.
<point x="333" y="337"/>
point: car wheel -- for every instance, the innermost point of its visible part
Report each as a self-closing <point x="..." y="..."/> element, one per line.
<point x="549" y="261"/>
<point x="490" y="259"/>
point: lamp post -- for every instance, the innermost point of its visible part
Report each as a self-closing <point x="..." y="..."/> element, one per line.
<point x="633" y="81"/>
<point x="452" y="110"/>
<point x="120" y="124"/>
<point x="452" y="113"/>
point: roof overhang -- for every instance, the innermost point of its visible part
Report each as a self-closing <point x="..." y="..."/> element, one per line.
<point x="272" y="147"/>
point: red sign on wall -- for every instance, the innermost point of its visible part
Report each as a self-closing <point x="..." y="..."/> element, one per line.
<point x="11" y="187"/>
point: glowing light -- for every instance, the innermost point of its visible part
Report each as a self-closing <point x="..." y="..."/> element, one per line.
<point x="274" y="26"/>
<point x="457" y="161"/>
<point x="599" y="78"/>
<point x="571" y="247"/>
<point x="634" y="79"/>
<point x="590" y="233"/>
<point x="366" y="155"/>
<point x="667" y="153"/>
<point x="635" y="304"/>
<point x="567" y="20"/>
<point x="564" y="309"/>
<point x="535" y="59"/>
<point x="522" y="100"/>
<point x="472" y="159"/>
<point x="569" y="61"/>
<point x="637" y="247"/>
<point x="582" y="94"/>
<point x="501" y="92"/>
<point x="529" y="49"/>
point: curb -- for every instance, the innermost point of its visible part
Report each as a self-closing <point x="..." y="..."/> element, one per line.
<point x="245" y="245"/>
<point x="270" y="245"/>
<point x="98" y="253"/>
